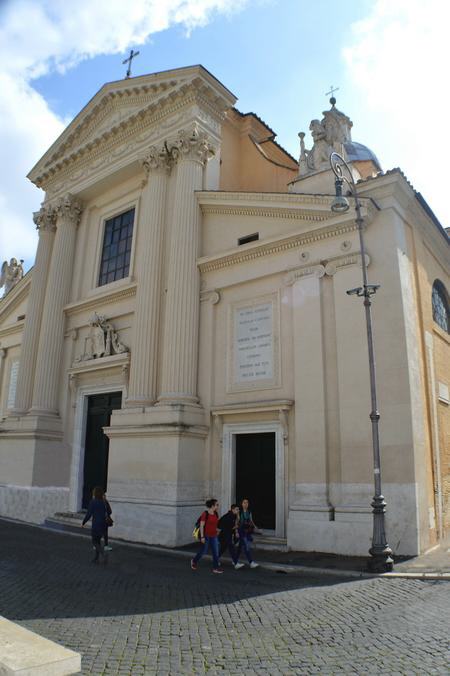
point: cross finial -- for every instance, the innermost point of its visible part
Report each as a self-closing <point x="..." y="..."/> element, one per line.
<point x="129" y="60"/>
<point x="332" y="90"/>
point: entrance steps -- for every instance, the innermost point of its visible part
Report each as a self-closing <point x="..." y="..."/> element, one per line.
<point x="270" y="542"/>
<point x="67" y="521"/>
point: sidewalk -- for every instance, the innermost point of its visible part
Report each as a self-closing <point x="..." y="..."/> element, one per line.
<point x="434" y="564"/>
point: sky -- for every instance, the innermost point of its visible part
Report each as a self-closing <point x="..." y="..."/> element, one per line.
<point x="279" y="57"/>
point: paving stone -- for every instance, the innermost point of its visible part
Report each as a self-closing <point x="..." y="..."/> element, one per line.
<point x="148" y="613"/>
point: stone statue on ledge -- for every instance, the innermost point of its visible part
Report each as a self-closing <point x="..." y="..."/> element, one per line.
<point x="11" y="274"/>
<point x="103" y="340"/>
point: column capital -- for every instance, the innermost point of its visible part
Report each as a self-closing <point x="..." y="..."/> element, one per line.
<point x="69" y="209"/>
<point x="192" y="144"/>
<point x="157" y="160"/>
<point x="45" y="218"/>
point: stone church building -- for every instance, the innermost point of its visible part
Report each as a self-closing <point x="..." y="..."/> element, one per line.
<point x="185" y="331"/>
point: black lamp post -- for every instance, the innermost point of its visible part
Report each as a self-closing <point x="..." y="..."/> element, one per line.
<point x="380" y="553"/>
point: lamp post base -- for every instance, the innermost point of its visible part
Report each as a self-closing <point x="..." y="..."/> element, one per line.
<point x="381" y="560"/>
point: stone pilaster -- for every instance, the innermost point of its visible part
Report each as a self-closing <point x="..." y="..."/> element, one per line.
<point x="143" y="371"/>
<point x="45" y="392"/>
<point x="180" y="360"/>
<point x="45" y="223"/>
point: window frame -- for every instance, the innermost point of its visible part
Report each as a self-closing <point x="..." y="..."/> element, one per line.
<point x="114" y="258"/>
<point x="439" y="288"/>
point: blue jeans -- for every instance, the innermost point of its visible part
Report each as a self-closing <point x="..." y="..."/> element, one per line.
<point x="244" y="543"/>
<point x="214" y="543"/>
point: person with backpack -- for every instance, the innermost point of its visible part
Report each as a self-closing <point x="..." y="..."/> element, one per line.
<point x="229" y="525"/>
<point x="246" y="530"/>
<point x="98" y="512"/>
<point x="209" y="535"/>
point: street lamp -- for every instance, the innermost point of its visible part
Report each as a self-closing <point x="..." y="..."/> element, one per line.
<point x="380" y="553"/>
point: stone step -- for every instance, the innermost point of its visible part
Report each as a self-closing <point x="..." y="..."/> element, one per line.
<point x="270" y="542"/>
<point x="68" y="522"/>
<point x="26" y="653"/>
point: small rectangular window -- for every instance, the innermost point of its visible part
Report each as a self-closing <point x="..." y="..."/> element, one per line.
<point x="116" y="248"/>
<point x="248" y="238"/>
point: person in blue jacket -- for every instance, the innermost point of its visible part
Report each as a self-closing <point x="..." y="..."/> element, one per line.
<point x="98" y="512"/>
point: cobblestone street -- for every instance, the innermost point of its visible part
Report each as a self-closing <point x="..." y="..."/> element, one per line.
<point x="148" y="613"/>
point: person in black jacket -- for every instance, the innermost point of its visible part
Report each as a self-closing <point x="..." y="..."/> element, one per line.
<point x="97" y="511"/>
<point x="228" y="525"/>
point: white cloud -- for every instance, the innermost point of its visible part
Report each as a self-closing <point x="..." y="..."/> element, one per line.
<point x="48" y="35"/>
<point x="397" y="61"/>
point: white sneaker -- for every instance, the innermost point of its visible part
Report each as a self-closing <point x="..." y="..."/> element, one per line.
<point x="254" y="565"/>
<point x="238" y="566"/>
<point x="107" y="548"/>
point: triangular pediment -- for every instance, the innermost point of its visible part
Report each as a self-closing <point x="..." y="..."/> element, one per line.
<point x="123" y="103"/>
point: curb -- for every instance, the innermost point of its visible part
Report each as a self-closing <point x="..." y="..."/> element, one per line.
<point x="266" y="565"/>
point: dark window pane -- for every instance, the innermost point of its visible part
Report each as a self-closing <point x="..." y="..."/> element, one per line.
<point x="440" y="306"/>
<point x="115" y="259"/>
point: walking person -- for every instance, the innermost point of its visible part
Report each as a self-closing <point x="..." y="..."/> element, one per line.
<point x="97" y="511"/>
<point x="209" y="535"/>
<point x="109" y="523"/>
<point x="246" y="529"/>
<point x="229" y="526"/>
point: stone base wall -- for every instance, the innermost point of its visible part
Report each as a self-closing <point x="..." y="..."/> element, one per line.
<point x="31" y="503"/>
<point x="348" y="530"/>
<point x="169" y="526"/>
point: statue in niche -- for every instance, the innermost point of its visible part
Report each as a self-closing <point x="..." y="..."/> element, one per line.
<point x="103" y="340"/>
<point x="11" y="274"/>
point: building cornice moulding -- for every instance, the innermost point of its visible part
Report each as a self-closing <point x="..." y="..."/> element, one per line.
<point x="297" y="240"/>
<point x="11" y="330"/>
<point x="17" y="294"/>
<point x="100" y="299"/>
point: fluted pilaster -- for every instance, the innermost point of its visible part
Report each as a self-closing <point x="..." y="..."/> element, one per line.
<point x="143" y="372"/>
<point x="45" y="223"/>
<point x="45" y="392"/>
<point x="180" y="360"/>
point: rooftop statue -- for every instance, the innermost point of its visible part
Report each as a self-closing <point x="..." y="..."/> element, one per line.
<point x="329" y="134"/>
<point x="11" y="274"/>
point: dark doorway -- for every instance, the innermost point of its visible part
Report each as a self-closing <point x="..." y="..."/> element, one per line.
<point x="96" y="447"/>
<point x="255" y="475"/>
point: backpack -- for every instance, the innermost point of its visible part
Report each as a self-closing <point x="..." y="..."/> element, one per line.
<point x="196" y="531"/>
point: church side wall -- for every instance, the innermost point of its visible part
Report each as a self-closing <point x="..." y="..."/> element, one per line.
<point x="429" y="250"/>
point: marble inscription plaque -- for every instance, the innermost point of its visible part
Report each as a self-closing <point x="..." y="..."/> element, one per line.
<point x="12" y="384"/>
<point x="253" y="343"/>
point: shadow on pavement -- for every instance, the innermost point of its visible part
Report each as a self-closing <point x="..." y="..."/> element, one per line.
<point x="45" y="574"/>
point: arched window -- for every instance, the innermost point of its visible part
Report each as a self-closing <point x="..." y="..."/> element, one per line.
<point x="439" y="301"/>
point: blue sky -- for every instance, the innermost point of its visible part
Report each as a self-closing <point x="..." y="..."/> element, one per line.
<point x="279" y="57"/>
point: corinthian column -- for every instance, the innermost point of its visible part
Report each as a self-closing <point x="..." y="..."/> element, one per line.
<point x="45" y="223"/>
<point x="180" y="360"/>
<point x="45" y="392"/>
<point x="142" y="385"/>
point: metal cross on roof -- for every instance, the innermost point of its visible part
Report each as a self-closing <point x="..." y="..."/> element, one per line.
<point x="332" y="90"/>
<point x="129" y="60"/>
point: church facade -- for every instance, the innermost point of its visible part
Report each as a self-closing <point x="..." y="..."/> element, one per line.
<point x="185" y="331"/>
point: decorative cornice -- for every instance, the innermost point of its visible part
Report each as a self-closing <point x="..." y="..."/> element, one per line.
<point x="252" y="407"/>
<point x="97" y="300"/>
<point x="16" y="295"/>
<point x="202" y="90"/>
<point x="12" y="329"/>
<point x="279" y="245"/>
<point x="116" y="360"/>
